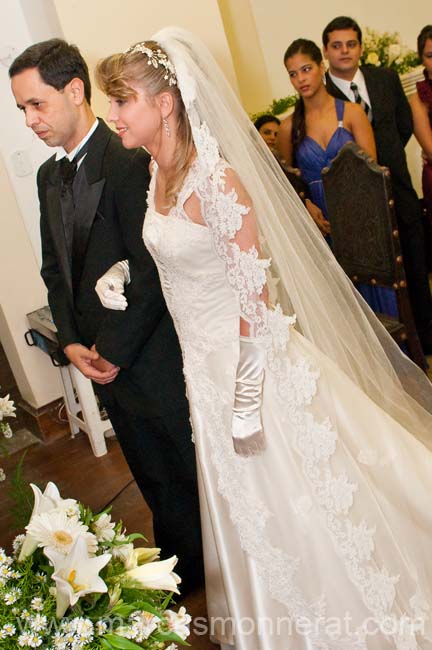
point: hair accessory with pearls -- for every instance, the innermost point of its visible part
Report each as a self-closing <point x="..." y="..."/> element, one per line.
<point x="156" y="58"/>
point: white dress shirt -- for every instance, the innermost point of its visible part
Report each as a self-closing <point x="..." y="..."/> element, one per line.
<point x="61" y="153"/>
<point x="345" y="86"/>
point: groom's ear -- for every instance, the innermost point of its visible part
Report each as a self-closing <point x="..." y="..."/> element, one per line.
<point x="166" y="103"/>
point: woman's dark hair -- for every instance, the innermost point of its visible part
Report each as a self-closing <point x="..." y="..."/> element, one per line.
<point x="310" y="49"/>
<point x="264" y="119"/>
<point x="425" y="34"/>
<point x="57" y="63"/>
<point x="338" y="23"/>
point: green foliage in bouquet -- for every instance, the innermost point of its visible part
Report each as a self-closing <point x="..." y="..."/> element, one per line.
<point x="387" y="50"/>
<point x="75" y="581"/>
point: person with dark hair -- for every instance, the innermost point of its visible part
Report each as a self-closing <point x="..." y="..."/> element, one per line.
<point x="92" y="200"/>
<point x="421" y="105"/>
<point x="379" y="92"/>
<point x="342" y="23"/>
<point x="314" y="134"/>
<point x="268" y="127"/>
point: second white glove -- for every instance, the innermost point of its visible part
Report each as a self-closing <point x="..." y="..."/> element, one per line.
<point x="110" y="287"/>
<point x="247" y="428"/>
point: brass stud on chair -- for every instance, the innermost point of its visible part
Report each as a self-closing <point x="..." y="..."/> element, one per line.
<point x="391" y="203"/>
<point x="354" y="278"/>
<point x="399" y="259"/>
<point x="373" y="281"/>
<point x="395" y="233"/>
<point x="403" y="283"/>
<point x="404" y="336"/>
<point x="395" y="286"/>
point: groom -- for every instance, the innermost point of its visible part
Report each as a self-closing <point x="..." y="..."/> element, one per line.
<point x="92" y="200"/>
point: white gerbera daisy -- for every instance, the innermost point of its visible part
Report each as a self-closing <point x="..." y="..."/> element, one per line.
<point x="56" y="530"/>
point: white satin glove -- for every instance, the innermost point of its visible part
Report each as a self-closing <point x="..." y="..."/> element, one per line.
<point x="247" y="428"/>
<point x="110" y="287"/>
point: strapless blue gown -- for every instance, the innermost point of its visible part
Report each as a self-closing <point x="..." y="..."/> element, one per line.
<point x="311" y="159"/>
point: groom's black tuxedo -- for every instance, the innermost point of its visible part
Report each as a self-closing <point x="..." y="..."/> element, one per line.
<point x="392" y="124"/>
<point x="146" y="402"/>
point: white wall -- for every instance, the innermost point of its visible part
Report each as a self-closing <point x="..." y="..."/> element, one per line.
<point x="102" y="27"/>
<point x="21" y="288"/>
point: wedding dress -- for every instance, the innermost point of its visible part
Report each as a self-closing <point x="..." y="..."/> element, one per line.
<point x="323" y="540"/>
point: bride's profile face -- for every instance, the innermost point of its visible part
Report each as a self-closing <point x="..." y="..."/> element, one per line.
<point x="136" y="119"/>
<point x="305" y="74"/>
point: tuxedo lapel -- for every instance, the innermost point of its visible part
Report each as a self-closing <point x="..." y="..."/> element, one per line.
<point x="88" y="187"/>
<point x="333" y="90"/>
<point x="60" y="228"/>
<point x="376" y="92"/>
<point x="86" y="205"/>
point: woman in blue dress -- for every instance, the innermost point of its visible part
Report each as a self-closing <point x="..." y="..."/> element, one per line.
<point x="313" y="135"/>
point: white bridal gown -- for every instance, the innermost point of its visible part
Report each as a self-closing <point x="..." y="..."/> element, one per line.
<point x="322" y="541"/>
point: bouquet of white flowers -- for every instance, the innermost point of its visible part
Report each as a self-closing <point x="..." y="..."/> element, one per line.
<point x="7" y="410"/>
<point x="75" y="581"/>
<point x="387" y="50"/>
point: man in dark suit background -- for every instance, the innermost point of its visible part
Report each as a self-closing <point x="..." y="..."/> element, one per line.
<point x="380" y="93"/>
<point x="92" y="201"/>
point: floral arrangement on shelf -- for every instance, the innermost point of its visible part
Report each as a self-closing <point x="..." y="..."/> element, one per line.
<point x="277" y="107"/>
<point x="7" y="410"/>
<point x="75" y="581"/>
<point x="387" y="50"/>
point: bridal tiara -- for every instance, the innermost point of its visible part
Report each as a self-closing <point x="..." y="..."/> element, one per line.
<point x="156" y="58"/>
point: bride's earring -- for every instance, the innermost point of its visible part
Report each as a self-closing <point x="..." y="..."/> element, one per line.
<point x="166" y="126"/>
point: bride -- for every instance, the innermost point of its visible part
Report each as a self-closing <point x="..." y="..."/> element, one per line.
<point x="311" y="430"/>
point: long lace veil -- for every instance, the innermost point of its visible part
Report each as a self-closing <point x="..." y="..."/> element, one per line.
<point x="330" y="312"/>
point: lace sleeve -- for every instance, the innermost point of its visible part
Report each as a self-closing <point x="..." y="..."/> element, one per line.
<point x="228" y="211"/>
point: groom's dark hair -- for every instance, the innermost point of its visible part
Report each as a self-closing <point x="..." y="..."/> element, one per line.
<point x="57" y="62"/>
<point x="340" y="23"/>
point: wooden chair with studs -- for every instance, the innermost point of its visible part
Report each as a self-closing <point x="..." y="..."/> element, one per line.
<point x="365" y="236"/>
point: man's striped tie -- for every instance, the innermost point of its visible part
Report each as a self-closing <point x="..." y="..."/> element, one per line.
<point x="359" y="100"/>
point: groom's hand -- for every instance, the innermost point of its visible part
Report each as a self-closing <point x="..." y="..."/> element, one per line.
<point x="104" y="365"/>
<point x="85" y="360"/>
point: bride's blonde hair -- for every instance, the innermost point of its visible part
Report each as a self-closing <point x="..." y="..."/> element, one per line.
<point x="115" y="73"/>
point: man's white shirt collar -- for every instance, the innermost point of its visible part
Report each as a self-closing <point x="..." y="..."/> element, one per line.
<point x="345" y="86"/>
<point x="61" y="153"/>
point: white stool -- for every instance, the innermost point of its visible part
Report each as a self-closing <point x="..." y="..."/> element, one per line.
<point x="83" y="399"/>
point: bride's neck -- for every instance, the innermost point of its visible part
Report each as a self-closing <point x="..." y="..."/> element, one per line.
<point x="163" y="150"/>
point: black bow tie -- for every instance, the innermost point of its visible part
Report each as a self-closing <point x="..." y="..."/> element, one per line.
<point x="68" y="170"/>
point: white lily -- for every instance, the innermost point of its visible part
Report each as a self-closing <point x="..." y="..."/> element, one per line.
<point x="178" y="622"/>
<point x="139" y="556"/>
<point x="155" y="575"/>
<point x="42" y="503"/>
<point x="76" y="574"/>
